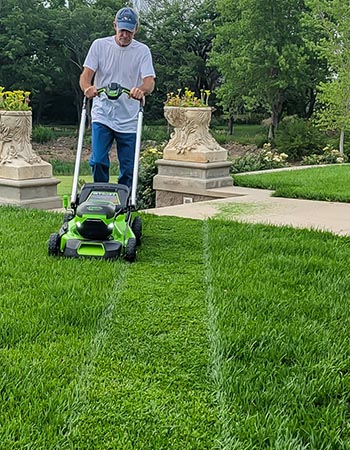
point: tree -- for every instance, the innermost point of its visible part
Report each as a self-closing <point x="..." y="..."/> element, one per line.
<point x="27" y="59"/>
<point x="260" y="50"/>
<point x="332" y="19"/>
<point x="180" y="34"/>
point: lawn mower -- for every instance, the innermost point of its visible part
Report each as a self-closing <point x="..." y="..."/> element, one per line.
<point x="100" y="222"/>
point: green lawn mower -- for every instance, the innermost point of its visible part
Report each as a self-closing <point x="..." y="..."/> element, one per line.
<point x="100" y="220"/>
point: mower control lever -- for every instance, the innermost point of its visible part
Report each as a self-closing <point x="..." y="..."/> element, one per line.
<point x="114" y="91"/>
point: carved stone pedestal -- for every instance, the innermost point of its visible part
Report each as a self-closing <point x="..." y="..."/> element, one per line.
<point x="193" y="162"/>
<point x="186" y="182"/>
<point x="25" y="179"/>
<point x="29" y="185"/>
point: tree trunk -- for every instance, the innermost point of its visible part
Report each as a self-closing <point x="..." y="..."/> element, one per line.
<point x="311" y="106"/>
<point x="277" y="108"/>
<point x="230" y="127"/>
<point x="341" y="141"/>
<point x="40" y="107"/>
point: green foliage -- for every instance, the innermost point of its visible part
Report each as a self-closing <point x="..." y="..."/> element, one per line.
<point x="147" y="170"/>
<point x="266" y="158"/>
<point x="329" y="155"/>
<point x="332" y="19"/>
<point x="179" y="34"/>
<point x="42" y="134"/>
<point x="298" y="138"/>
<point x="187" y="98"/>
<point x="156" y="133"/>
<point x="260" y="50"/>
<point x="242" y="133"/>
<point x="17" y="100"/>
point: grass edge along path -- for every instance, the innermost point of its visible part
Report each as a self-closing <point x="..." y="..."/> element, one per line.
<point x="327" y="183"/>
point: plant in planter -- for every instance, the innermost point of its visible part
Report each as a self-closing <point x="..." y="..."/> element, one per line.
<point x="15" y="127"/>
<point x="188" y="99"/>
<point x="190" y="116"/>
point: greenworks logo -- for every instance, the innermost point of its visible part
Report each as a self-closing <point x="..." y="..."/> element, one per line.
<point x="94" y="208"/>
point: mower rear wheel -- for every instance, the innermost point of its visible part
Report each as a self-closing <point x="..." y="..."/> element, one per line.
<point x="54" y="244"/>
<point x="130" y="250"/>
<point x="136" y="227"/>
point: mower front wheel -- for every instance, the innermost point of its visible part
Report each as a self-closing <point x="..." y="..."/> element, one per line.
<point x="136" y="227"/>
<point x="130" y="250"/>
<point x="54" y="244"/>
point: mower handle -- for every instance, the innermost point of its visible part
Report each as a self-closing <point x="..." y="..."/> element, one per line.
<point x="115" y="90"/>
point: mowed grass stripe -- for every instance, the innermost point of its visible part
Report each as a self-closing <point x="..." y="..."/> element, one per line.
<point x="50" y="314"/>
<point x="151" y="389"/>
<point x="96" y="346"/>
<point x="281" y="321"/>
<point x="216" y="345"/>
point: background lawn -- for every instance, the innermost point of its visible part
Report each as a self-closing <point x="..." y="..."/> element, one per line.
<point x="330" y="183"/>
<point x="221" y="336"/>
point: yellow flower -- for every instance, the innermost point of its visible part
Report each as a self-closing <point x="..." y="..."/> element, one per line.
<point x="187" y="98"/>
<point x="16" y="100"/>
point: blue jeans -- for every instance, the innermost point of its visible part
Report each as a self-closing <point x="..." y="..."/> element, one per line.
<point x="102" y="141"/>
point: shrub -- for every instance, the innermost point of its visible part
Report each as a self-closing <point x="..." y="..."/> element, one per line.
<point x="299" y="138"/>
<point x="147" y="170"/>
<point x="42" y="134"/>
<point x="267" y="158"/>
<point x="329" y="155"/>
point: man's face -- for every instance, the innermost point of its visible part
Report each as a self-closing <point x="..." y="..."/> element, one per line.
<point x="124" y="37"/>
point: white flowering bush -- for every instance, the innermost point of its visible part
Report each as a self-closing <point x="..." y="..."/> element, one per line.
<point x="329" y="155"/>
<point x="273" y="156"/>
<point x="267" y="158"/>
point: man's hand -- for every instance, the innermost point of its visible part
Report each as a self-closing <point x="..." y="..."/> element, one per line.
<point x="136" y="93"/>
<point x="90" y="92"/>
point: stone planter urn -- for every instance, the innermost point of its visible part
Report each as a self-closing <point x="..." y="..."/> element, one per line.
<point x="15" y="135"/>
<point x="191" y="140"/>
<point x="25" y="179"/>
<point x="194" y="165"/>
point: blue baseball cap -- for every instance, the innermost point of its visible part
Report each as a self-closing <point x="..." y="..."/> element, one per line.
<point x="126" y="19"/>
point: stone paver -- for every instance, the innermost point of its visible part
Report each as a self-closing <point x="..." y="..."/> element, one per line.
<point x="258" y="206"/>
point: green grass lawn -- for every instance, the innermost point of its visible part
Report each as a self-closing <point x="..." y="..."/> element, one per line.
<point x="65" y="185"/>
<point x="330" y="183"/>
<point x="221" y="336"/>
<point x="243" y="134"/>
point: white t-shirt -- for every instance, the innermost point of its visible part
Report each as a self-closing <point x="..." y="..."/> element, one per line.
<point x="126" y="66"/>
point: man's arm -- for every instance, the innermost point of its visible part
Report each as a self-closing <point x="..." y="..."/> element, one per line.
<point x="146" y="88"/>
<point x="86" y="83"/>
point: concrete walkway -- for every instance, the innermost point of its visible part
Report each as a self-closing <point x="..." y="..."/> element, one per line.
<point x="257" y="206"/>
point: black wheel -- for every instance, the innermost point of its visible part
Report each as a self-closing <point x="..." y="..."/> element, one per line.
<point x="136" y="227"/>
<point x="130" y="250"/>
<point x="54" y="244"/>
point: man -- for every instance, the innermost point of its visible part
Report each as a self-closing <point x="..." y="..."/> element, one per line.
<point x="123" y="60"/>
